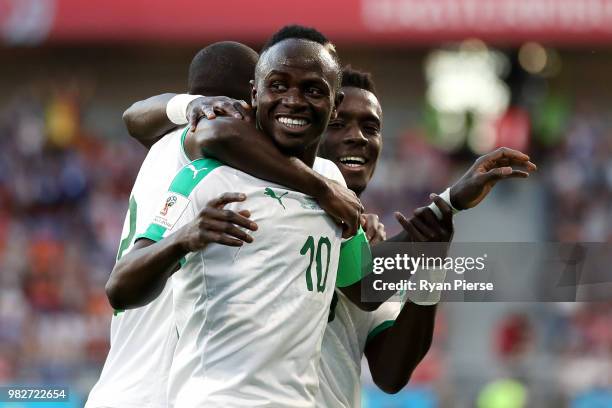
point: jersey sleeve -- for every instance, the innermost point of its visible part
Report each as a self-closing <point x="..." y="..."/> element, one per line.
<point x="383" y="318"/>
<point x="328" y="168"/>
<point x="184" y="199"/>
<point x="355" y="259"/>
<point x="183" y="157"/>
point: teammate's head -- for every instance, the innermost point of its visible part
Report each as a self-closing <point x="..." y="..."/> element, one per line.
<point x="295" y="89"/>
<point x="223" y="68"/>
<point x="353" y="139"/>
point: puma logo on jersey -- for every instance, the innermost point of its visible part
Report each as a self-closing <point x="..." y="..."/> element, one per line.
<point x="195" y="171"/>
<point x="270" y="193"/>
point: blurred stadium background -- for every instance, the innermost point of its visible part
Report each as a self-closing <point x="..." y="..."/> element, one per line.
<point x="456" y="79"/>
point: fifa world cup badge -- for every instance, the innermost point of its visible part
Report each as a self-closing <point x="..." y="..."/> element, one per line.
<point x="170" y="201"/>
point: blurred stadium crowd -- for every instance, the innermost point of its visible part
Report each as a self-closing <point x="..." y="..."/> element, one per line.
<point x="64" y="187"/>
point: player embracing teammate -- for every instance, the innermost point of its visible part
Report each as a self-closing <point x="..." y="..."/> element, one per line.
<point x="249" y="310"/>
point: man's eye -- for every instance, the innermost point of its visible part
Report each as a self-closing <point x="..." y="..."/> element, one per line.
<point x="336" y="124"/>
<point x="371" y="130"/>
<point x="315" y="91"/>
<point x="278" y="86"/>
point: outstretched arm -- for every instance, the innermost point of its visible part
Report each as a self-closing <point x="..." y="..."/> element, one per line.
<point x="467" y="192"/>
<point x="140" y="276"/>
<point x="239" y="144"/>
<point x="147" y="121"/>
<point x="422" y="227"/>
<point x="395" y="352"/>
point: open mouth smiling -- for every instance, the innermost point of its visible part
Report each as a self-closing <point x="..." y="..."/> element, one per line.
<point x="353" y="162"/>
<point x="293" y="123"/>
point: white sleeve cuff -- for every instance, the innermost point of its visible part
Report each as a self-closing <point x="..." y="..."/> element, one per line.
<point x="176" y="109"/>
<point x="446" y="197"/>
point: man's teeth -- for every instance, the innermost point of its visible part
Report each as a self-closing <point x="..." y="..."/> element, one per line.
<point x="291" y="122"/>
<point x="352" y="161"/>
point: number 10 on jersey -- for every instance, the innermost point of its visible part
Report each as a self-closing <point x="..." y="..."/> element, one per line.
<point x="315" y="254"/>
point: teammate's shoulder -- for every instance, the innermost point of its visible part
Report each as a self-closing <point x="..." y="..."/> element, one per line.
<point x="170" y="137"/>
<point x="193" y="173"/>
<point x="328" y="169"/>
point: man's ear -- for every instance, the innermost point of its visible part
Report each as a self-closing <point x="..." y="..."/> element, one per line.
<point x="337" y="101"/>
<point x="253" y="93"/>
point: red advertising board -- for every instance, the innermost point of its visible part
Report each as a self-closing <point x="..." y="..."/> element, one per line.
<point x="382" y="22"/>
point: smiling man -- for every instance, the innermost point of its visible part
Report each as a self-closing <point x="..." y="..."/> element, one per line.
<point x="353" y="141"/>
<point x="251" y="317"/>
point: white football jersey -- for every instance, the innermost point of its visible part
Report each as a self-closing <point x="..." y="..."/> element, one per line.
<point x="343" y="347"/>
<point x="250" y="318"/>
<point x="142" y="340"/>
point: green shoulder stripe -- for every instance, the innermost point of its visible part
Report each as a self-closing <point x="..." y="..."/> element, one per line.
<point x="125" y="243"/>
<point x="191" y="174"/>
<point x="184" y="183"/>
<point x="378" y="329"/>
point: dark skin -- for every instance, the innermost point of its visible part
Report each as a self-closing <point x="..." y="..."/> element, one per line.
<point x="467" y="192"/>
<point x="300" y="87"/>
<point x="353" y="141"/>
<point x="146" y="120"/>
<point x="140" y="276"/>
<point x="225" y="138"/>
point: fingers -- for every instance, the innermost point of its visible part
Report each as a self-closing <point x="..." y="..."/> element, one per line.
<point x="374" y="229"/>
<point x="229" y="216"/>
<point x="197" y="113"/>
<point x="210" y="107"/>
<point x="500" y="173"/>
<point x="409" y="228"/>
<point x="214" y="210"/>
<point x="242" y="110"/>
<point x="222" y="239"/>
<point x="349" y="229"/>
<point x="227" y="107"/>
<point x="422" y="226"/>
<point x="382" y="234"/>
<point x="225" y="199"/>
<point x="226" y="228"/>
<point x="505" y="157"/>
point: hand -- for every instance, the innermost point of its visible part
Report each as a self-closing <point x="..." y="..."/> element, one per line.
<point x="211" y="106"/>
<point x="374" y="229"/>
<point x="487" y="170"/>
<point x="214" y="224"/>
<point x="343" y="205"/>
<point x="424" y="226"/>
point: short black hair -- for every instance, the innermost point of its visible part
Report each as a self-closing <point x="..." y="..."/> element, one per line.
<point x="298" y="32"/>
<point x="358" y="79"/>
<point x="223" y="68"/>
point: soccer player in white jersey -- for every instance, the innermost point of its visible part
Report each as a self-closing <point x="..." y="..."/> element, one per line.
<point x="393" y="342"/>
<point x="345" y="338"/>
<point x="143" y="339"/>
<point x="251" y="319"/>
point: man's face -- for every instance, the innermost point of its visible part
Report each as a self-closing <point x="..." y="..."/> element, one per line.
<point x="353" y="140"/>
<point x="294" y="93"/>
